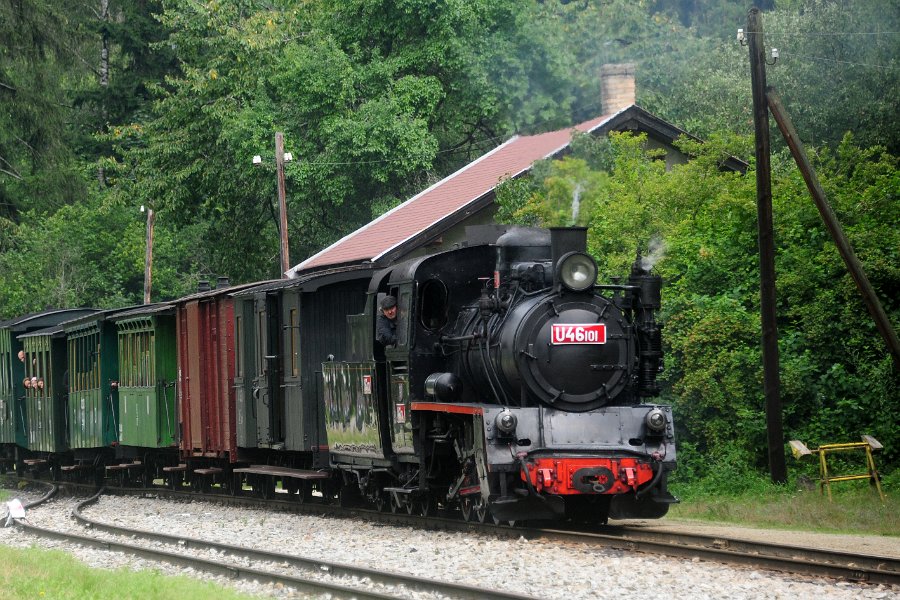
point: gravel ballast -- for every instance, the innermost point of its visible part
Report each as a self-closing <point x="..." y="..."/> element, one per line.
<point x="538" y="568"/>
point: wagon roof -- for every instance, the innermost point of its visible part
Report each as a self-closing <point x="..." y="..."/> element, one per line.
<point x="94" y="317"/>
<point x="51" y="331"/>
<point x="311" y="280"/>
<point x="147" y="309"/>
<point x="231" y="289"/>
<point x="43" y="319"/>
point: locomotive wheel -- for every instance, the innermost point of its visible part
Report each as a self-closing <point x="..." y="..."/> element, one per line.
<point x="411" y="505"/>
<point x="380" y="502"/>
<point x="466" y="506"/>
<point x="395" y="503"/>
<point x="427" y="506"/>
<point x="481" y="511"/>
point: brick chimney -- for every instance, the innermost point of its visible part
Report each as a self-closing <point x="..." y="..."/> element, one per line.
<point x="616" y="87"/>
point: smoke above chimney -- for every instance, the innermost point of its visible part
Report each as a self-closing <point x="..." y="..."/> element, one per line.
<point x="616" y="87"/>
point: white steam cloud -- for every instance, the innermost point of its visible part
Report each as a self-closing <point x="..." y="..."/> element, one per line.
<point x="657" y="252"/>
<point x="576" y="203"/>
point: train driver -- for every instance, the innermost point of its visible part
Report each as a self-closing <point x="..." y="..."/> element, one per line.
<point x="386" y="323"/>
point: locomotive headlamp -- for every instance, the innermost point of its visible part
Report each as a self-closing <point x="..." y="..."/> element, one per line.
<point x="656" y="420"/>
<point x="506" y="422"/>
<point x="577" y="271"/>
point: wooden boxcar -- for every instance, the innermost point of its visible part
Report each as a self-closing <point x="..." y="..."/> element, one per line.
<point x="280" y="410"/>
<point x="147" y="358"/>
<point x="206" y="367"/>
<point x="13" y="416"/>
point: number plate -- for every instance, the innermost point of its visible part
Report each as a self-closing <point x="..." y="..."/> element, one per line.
<point x="574" y="333"/>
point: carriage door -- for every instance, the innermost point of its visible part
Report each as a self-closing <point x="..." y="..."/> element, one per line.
<point x="245" y="371"/>
<point x="267" y="385"/>
<point x="290" y="365"/>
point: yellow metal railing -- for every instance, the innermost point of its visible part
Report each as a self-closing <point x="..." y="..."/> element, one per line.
<point x="868" y="444"/>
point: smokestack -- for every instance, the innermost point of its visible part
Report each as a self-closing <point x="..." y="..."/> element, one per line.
<point x="203" y="286"/>
<point x="222" y="282"/>
<point x="616" y="87"/>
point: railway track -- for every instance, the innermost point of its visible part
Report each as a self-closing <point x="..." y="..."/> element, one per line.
<point x="308" y="575"/>
<point x="779" y="557"/>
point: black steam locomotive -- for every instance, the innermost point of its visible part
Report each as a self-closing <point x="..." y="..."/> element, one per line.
<point x="516" y="389"/>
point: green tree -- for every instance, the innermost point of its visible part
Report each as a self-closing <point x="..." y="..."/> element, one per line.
<point x="837" y="72"/>
<point x="38" y="65"/>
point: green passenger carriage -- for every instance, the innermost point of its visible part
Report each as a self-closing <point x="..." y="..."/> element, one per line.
<point x="93" y="373"/>
<point x="147" y="376"/>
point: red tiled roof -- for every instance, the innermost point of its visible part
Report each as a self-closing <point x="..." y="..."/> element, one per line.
<point x="448" y="196"/>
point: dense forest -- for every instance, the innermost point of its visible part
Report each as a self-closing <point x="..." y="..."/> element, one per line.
<point x="108" y="106"/>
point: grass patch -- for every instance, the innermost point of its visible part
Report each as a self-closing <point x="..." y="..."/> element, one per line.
<point x="34" y="573"/>
<point x="854" y="508"/>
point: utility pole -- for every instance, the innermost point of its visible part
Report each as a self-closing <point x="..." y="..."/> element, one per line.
<point x="148" y="254"/>
<point x="282" y="202"/>
<point x="771" y="378"/>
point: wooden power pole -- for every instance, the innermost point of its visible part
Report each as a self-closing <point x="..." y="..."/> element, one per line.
<point x="771" y="378"/>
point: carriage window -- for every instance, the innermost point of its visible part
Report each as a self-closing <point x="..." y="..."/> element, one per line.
<point x="433" y="303"/>
<point x="151" y="352"/>
<point x="4" y="380"/>
<point x="37" y="367"/>
<point x="260" y="345"/>
<point x="84" y="363"/>
<point x="239" y="346"/>
<point x="295" y="343"/>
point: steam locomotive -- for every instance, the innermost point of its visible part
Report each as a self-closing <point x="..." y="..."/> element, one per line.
<point x="518" y="388"/>
<point x="515" y="390"/>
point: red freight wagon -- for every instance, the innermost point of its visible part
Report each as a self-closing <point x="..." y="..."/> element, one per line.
<point x="205" y="330"/>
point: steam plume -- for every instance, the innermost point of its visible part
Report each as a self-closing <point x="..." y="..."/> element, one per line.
<point x="656" y="252"/>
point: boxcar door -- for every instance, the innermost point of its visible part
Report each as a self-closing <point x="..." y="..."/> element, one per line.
<point x="266" y="389"/>
<point x="245" y="368"/>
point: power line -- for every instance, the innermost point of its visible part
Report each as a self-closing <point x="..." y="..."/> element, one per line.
<point x="834" y="60"/>
<point x="816" y="33"/>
